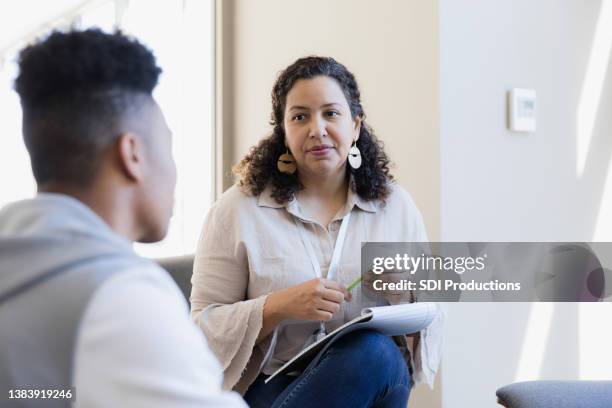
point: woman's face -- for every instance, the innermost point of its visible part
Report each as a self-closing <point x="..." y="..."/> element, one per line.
<point x="319" y="127"/>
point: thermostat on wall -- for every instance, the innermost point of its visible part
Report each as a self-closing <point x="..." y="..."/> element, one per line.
<point x="522" y="110"/>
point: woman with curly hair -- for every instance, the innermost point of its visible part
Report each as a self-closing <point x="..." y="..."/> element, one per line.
<point x="279" y="248"/>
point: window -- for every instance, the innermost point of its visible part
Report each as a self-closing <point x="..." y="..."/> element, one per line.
<point x="180" y="33"/>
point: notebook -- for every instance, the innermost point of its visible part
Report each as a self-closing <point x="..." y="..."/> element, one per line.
<point x="392" y="320"/>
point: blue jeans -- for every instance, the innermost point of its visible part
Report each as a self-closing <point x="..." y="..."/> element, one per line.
<point x="362" y="369"/>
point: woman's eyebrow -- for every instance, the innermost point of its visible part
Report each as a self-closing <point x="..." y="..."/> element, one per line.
<point x="305" y="108"/>
<point x="327" y="105"/>
<point x="297" y="107"/>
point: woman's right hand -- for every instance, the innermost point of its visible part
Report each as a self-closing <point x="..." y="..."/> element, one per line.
<point x="316" y="299"/>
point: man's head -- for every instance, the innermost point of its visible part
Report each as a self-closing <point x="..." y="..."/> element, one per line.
<point x="90" y="124"/>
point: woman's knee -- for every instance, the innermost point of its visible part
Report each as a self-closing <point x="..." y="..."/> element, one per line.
<point x="375" y="352"/>
<point x="369" y="344"/>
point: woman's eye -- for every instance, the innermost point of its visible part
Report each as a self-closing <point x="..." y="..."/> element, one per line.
<point x="331" y="114"/>
<point x="298" y="117"/>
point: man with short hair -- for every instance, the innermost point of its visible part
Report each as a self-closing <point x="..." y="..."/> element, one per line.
<point x="77" y="306"/>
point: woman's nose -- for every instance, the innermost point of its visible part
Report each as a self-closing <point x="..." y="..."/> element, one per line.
<point x="317" y="127"/>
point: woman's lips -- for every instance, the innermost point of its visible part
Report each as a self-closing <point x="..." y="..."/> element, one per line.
<point x="320" y="150"/>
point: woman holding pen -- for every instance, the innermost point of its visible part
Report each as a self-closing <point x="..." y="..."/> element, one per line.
<point x="280" y="248"/>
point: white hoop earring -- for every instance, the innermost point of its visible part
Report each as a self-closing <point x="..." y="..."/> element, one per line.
<point x="354" y="156"/>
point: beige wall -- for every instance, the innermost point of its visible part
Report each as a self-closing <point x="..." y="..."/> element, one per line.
<point x="391" y="47"/>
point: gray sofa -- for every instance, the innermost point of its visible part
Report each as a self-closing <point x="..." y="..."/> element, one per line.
<point x="556" y="394"/>
<point x="180" y="268"/>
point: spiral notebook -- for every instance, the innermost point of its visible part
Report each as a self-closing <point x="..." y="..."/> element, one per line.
<point x="392" y="320"/>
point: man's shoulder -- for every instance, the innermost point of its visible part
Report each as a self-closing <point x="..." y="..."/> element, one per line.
<point x="141" y="299"/>
<point x="141" y="276"/>
<point x="137" y="325"/>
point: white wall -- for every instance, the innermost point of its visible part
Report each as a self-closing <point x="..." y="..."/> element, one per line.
<point x="499" y="185"/>
<point x="504" y="186"/>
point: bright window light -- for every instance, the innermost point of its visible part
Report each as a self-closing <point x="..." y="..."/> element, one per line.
<point x="595" y="337"/>
<point x="590" y="95"/>
<point x="181" y="34"/>
<point x="603" y="231"/>
<point x="14" y="160"/>
<point x="534" y="342"/>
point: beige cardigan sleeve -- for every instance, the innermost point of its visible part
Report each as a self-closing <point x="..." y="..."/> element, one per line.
<point x="220" y="278"/>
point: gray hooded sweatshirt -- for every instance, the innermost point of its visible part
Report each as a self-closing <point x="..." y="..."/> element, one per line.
<point x="54" y="253"/>
<point x="78" y="308"/>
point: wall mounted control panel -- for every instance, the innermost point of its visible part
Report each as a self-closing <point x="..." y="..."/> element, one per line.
<point x="522" y="110"/>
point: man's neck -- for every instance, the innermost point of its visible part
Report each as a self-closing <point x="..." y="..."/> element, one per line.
<point x="105" y="204"/>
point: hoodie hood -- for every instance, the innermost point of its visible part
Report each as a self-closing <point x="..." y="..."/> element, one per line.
<point x="51" y="232"/>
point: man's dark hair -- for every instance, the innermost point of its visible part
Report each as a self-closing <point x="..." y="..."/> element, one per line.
<point x="76" y="89"/>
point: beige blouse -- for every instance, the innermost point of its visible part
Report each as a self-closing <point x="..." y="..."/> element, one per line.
<point x="250" y="247"/>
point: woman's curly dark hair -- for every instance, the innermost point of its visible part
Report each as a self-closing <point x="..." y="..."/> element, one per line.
<point x="258" y="168"/>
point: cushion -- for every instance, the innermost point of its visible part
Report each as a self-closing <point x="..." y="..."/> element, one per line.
<point x="557" y="394"/>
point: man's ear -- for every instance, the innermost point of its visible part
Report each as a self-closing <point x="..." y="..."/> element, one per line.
<point x="130" y="150"/>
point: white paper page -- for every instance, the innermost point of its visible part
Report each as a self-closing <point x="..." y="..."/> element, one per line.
<point x="393" y="320"/>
